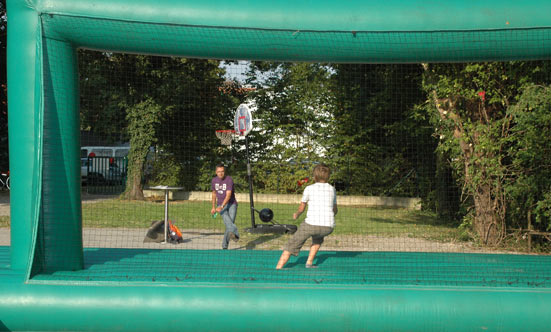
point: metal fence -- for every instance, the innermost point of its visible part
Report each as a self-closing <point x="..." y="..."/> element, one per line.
<point x="104" y="175"/>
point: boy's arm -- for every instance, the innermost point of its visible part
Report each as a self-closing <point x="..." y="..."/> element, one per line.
<point x="301" y="209"/>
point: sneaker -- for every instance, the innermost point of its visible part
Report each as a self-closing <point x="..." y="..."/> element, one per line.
<point x="224" y="248"/>
<point x="234" y="237"/>
<point x="311" y="266"/>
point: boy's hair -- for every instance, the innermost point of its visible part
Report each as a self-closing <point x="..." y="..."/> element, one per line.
<point x="220" y="166"/>
<point x="321" y="173"/>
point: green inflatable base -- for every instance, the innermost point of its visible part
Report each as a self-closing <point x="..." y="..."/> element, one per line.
<point x="332" y="268"/>
<point x="215" y="290"/>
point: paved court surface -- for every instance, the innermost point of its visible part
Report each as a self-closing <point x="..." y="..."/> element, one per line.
<point x="4" y="203"/>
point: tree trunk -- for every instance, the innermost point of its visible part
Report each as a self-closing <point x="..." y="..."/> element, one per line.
<point x="142" y="118"/>
<point x="487" y="223"/>
<point x="489" y="205"/>
<point x="134" y="189"/>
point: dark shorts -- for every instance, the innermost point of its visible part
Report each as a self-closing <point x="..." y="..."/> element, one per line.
<point x="304" y="232"/>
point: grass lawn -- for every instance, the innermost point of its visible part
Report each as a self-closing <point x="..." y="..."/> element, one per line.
<point x="4" y="221"/>
<point x="351" y="220"/>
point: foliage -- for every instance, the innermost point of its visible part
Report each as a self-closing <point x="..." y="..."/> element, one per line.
<point x="469" y="106"/>
<point x="357" y="118"/>
<point x="294" y="110"/>
<point x="166" y="171"/>
<point x="203" y="102"/>
<point x="103" y="94"/>
<point x="444" y="197"/>
<point x="378" y="137"/>
<point x="5" y="221"/>
<point x="143" y="118"/>
<point x="288" y="175"/>
<point x="293" y="107"/>
<point x="530" y="155"/>
<point x="182" y="98"/>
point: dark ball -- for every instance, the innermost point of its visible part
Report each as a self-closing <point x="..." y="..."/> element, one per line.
<point x="266" y="215"/>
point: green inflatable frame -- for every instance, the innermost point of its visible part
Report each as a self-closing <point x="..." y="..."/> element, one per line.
<point x="359" y="31"/>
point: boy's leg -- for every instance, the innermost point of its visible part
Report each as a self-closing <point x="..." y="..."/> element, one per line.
<point x="295" y="243"/>
<point x="283" y="259"/>
<point x="317" y="239"/>
<point x="313" y="251"/>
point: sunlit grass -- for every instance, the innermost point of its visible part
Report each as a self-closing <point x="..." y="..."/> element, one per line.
<point x="351" y="220"/>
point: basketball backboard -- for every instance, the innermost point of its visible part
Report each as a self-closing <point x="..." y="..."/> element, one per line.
<point x="243" y="121"/>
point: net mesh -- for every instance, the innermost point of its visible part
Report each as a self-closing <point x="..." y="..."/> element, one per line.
<point x="389" y="133"/>
<point x="225" y="136"/>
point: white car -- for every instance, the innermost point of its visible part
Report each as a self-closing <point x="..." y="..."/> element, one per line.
<point x="103" y="164"/>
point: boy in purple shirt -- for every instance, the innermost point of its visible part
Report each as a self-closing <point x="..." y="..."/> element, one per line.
<point x="223" y="193"/>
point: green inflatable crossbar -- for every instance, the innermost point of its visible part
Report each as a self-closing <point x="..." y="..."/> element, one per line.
<point x="43" y="37"/>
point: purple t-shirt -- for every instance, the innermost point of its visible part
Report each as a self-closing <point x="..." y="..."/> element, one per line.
<point x="221" y="186"/>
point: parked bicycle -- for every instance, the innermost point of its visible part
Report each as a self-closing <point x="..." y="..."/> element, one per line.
<point x="5" y="180"/>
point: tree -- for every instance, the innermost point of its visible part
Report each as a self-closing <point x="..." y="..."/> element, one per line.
<point x="378" y="138"/>
<point x="201" y="101"/>
<point x="529" y="190"/>
<point x="469" y="103"/>
<point x="163" y="102"/>
<point x="104" y="91"/>
<point x="294" y="108"/>
<point x="143" y="119"/>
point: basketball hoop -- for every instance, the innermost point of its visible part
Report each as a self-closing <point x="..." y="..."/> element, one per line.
<point x="225" y="136"/>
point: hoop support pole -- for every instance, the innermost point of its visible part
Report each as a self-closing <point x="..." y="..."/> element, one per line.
<point x="249" y="173"/>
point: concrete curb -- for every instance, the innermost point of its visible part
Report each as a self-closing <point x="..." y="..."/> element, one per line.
<point x="364" y="201"/>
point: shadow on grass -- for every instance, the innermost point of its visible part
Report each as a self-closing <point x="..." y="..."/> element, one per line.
<point x="417" y="219"/>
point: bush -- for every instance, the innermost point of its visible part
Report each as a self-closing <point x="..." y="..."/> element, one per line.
<point x="166" y="171"/>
